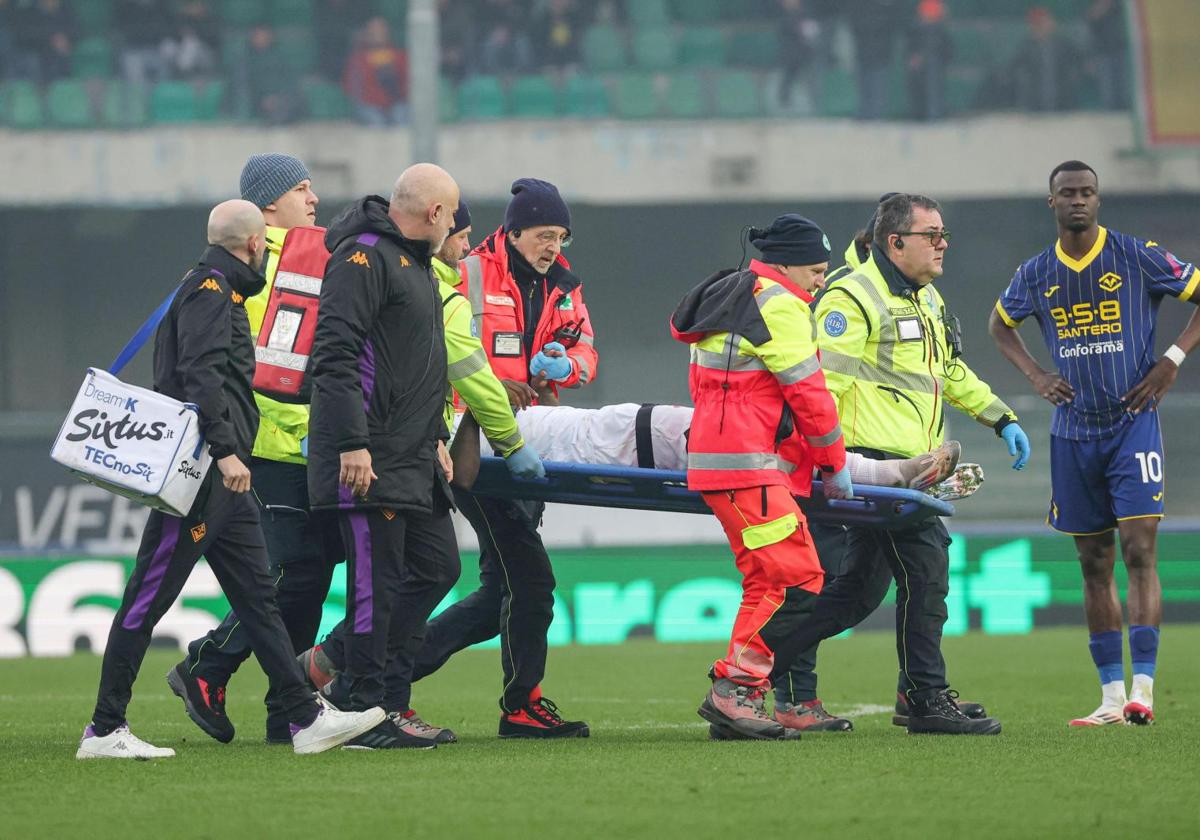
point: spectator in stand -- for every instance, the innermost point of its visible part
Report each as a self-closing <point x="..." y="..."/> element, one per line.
<point x="505" y="47"/>
<point x="1046" y="68"/>
<point x="144" y="30"/>
<point x="802" y="55"/>
<point x="928" y="50"/>
<point x="274" y="94"/>
<point x="191" y="52"/>
<point x="337" y="24"/>
<point x="457" y="31"/>
<point x="376" y="77"/>
<point x="875" y="26"/>
<point x="44" y="36"/>
<point x="557" y="29"/>
<point x="1109" y="53"/>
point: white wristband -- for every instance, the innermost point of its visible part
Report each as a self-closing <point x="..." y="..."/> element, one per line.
<point x="1175" y="355"/>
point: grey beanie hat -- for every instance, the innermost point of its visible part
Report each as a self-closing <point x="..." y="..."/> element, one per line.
<point x="266" y="177"/>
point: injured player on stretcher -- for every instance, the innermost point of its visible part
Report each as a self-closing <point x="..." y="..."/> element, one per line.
<point x="655" y="437"/>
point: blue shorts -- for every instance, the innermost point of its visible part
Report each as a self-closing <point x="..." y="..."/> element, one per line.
<point x="1096" y="483"/>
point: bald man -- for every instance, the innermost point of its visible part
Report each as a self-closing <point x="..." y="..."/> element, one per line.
<point x="377" y="452"/>
<point x="203" y="355"/>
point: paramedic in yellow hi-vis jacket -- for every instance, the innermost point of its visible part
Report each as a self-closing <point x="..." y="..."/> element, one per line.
<point x="304" y="548"/>
<point x="890" y="356"/>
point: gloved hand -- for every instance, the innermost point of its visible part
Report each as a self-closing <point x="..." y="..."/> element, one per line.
<point x="555" y="364"/>
<point x="304" y="446"/>
<point x="1018" y="444"/>
<point x="525" y="463"/>
<point x="838" y="485"/>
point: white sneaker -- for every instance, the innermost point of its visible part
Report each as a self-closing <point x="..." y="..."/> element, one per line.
<point x="120" y="743"/>
<point x="333" y="728"/>
<point x="1140" y="708"/>
<point x="1106" y="715"/>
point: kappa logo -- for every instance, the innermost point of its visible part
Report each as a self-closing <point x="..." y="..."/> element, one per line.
<point x="198" y="532"/>
<point x="359" y="258"/>
<point x="388" y="514"/>
<point x="1049" y="292"/>
<point x="404" y="263"/>
<point x="1110" y="282"/>
<point x="212" y="285"/>
<point x="236" y="297"/>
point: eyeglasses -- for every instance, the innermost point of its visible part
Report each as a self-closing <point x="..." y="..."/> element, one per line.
<point x="549" y="237"/>
<point x="935" y="237"/>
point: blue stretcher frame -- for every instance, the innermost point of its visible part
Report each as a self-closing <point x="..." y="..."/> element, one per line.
<point x="635" y="488"/>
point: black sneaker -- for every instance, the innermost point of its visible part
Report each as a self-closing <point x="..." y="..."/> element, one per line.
<point x="388" y="736"/>
<point x="940" y="715"/>
<point x="971" y="710"/>
<point x="540" y="719"/>
<point x="204" y="703"/>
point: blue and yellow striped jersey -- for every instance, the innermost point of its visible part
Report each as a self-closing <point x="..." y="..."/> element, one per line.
<point x="1097" y="316"/>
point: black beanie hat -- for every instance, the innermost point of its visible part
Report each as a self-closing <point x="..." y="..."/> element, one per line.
<point x="462" y="218"/>
<point x="791" y="240"/>
<point x="535" y="203"/>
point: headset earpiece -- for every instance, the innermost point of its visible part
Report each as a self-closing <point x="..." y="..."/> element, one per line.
<point x="899" y="243"/>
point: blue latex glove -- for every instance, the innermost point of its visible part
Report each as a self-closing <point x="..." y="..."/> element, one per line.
<point x="304" y="446"/>
<point x="556" y="368"/>
<point x="525" y="463"/>
<point x="837" y="485"/>
<point x="1018" y="444"/>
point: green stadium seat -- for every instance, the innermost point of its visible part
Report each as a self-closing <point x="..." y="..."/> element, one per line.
<point x="447" y="101"/>
<point x="325" y="101"/>
<point x="173" y="102"/>
<point x="238" y="14"/>
<point x="702" y="46"/>
<point x="839" y="94"/>
<point x="604" y="49"/>
<point x="481" y="98"/>
<point x="739" y="94"/>
<point x="292" y="10"/>
<point x="68" y="104"/>
<point x="23" y="105"/>
<point x="534" y="96"/>
<point x="655" y="48"/>
<point x="92" y="59"/>
<point x="754" y="46"/>
<point x="746" y="10"/>
<point x="636" y="97"/>
<point x="93" y="16"/>
<point x="647" y="12"/>
<point x="585" y="96"/>
<point x="697" y="11"/>
<point x="209" y="99"/>
<point x="686" y="96"/>
<point x="122" y="106"/>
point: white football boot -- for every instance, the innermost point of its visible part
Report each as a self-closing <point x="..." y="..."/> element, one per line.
<point x="120" y="743"/>
<point x="1140" y="708"/>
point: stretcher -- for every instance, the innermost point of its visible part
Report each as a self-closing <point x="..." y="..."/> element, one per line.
<point x="636" y="488"/>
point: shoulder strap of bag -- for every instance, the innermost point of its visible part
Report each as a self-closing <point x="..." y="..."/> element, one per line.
<point x="143" y="334"/>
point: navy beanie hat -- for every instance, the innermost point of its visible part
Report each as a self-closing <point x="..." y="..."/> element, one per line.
<point x="462" y="218"/>
<point x="791" y="240"/>
<point x="266" y="177"/>
<point x="535" y="203"/>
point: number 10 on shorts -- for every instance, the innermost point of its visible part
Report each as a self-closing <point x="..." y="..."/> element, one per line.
<point x="1151" y="466"/>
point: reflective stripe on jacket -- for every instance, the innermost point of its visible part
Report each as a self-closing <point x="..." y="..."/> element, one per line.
<point x="470" y="375"/>
<point x="763" y="414"/>
<point x="884" y="353"/>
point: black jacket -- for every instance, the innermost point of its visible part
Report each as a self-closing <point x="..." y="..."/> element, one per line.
<point x="203" y="352"/>
<point x="379" y="365"/>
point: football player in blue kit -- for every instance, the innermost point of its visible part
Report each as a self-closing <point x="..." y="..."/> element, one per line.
<point x="1095" y="295"/>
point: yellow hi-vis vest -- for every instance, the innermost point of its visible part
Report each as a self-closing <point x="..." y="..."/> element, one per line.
<point x="887" y="364"/>
<point x="281" y="426"/>
<point x="469" y="372"/>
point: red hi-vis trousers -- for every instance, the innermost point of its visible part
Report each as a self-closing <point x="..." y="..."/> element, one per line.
<point x="770" y="542"/>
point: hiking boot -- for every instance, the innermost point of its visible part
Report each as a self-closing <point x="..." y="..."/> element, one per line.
<point x="410" y="723"/>
<point x="809" y="715"/>
<point x="938" y="714"/>
<point x="204" y="703"/>
<point x="971" y="710"/>
<point x="539" y="718"/>
<point x="740" y="708"/>
<point x="722" y="733"/>
<point x="317" y="667"/>
<point x="388" y="735"/>
<point x="932" y="467"/>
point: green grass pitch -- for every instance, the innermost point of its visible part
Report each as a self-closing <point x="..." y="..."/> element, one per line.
<point x="647" y="770"/>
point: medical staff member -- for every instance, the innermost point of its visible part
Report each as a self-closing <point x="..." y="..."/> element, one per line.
<point x="763" y="420"/>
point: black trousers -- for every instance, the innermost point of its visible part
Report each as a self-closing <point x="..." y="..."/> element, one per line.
<point x="431" y="568"/>
<point x="224" y="528"/>
<point x="917" y="559"/>
<point x="303" y="548"/>
<point x="515" y="598"/>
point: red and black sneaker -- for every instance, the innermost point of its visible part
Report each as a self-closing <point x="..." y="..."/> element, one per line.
<point x="204" y="703"/>
<point x="539" y="718"/>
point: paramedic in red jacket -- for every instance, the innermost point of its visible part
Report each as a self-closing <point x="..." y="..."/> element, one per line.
<point x="528" y="311"/>
<point x="763" y="421"/>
